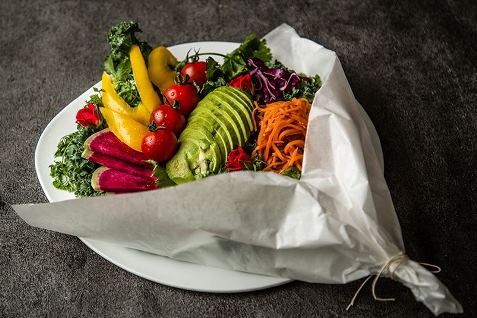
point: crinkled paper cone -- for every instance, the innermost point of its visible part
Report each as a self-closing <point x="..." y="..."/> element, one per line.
<point x="337" y="224"/>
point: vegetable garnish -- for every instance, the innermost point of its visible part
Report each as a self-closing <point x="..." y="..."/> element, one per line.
<point x="88" y="116"/>
<point x="271" y="83"/>
<point x="244" y="82"/>
<point x="159" y="145"/>
<point x="195" y="72"/>
<point x="237" y="160"/>
<point x="306" y="88"/>
<point x="182" y="97"/>
<point x="183" y="121"/>
<point x="70" y="171"/>
<point x="161" y="67"/>
<point x="167" y="117"/>
<point x="121" y="38"/>
<point x="105" y="142"/>
<point x="235" y="63"/>
<point x="280" y="83"/>
<point x="281" y="139"/>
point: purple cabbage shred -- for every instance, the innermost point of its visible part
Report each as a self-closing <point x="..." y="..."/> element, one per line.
<point x="271" y="83"/>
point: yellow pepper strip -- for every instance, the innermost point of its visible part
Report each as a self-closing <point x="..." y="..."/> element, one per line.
<point x="149" y="97"/>
<point x="161" y="65"/>
<point x="125" y="128"/>
<point x="116" y="103"/>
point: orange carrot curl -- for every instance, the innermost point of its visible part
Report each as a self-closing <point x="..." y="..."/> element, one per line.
<point x="282" y="129"/>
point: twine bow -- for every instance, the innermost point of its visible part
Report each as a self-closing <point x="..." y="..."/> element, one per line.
<point x="389" y="267"/>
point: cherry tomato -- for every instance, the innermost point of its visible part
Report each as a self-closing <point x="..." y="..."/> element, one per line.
<point x="159" y="145"/>
<point x="196" y="72"/>
<point x="185" y="95"/>
<point x="167" y="117"/>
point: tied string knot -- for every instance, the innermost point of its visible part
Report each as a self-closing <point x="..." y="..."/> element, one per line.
<point x="389" y="268"/>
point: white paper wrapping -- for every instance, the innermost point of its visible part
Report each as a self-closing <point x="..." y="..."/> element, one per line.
<point x="337" y="224"/>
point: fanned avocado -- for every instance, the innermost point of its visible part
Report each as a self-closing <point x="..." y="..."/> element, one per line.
<point x="219" y="123"/>
<point x="205" y="112"/>
<point x="204" y="140"/>
<point x="180" y="166"/>
<point x="240" y="111"/>
<point x="214" y="129"/>
<point x="240" y="95"/>
<point x="219" y="108"/>
<point x="230" y="107"/>
<point x="232" y="99"/>
<point x="200" y="168"/>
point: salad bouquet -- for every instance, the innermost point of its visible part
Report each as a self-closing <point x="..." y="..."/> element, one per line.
<point x="158" y="121"/>
<point x="310" y="201"/>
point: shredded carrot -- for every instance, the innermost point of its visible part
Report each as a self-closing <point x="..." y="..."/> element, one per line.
<point x="282" y="129"/>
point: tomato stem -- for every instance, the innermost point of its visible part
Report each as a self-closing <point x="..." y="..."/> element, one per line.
<point x="211" y="53"/>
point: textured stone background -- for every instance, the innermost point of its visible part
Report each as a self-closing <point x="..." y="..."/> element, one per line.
<point x="412" y="65"/>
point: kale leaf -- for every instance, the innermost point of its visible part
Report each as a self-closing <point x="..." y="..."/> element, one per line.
<point x="71" y="172"/>
<point x="121" y="37"/>
<point x="292" y="172"/>
<point x="306" y="88"/>
<point x="214" y="75"/>
<point x="255" y="164"/>
<point x="162" y="179"/>
<point x="235" y="63"/>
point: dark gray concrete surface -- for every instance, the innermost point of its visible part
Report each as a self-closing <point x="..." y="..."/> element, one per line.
<point x="412" y="65"/>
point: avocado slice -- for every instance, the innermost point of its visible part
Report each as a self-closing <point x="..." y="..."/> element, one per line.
<point x="230" y="106"/>
<point x="217" y="132"/>
<point x="203" y="138"/>
<point x="240" y="109"/>
<point x="205" y="112"/>
<point x="243" y="102"/>
<point x="220" y="122"/>
<point x="238" y="93"/>
<point x="200" y="161"/>
<point x="178" y="167"/>
<point x="220" y="110"/>
<point x="189" y="163"/>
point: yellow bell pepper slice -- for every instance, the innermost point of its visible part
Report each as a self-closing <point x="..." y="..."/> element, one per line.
<point x="116" y="103"/>
<point x="149" y="97"/>
<point x="125" y="128"/>
<point x="161" y="65"/>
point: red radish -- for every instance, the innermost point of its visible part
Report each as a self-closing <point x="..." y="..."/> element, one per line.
<point x="118" y="164"/>
<point x="111" y="180"/>
<point x="167" y="117"/>
<point x="107" y="143"/>
<point x="159" y="145"/>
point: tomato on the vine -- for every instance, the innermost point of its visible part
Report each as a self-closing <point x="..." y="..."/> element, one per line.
<point x="196" y="72"/>
<point x="167" y="117"/>
<point x="159" y="145"/>
<point x="182" y="95"/>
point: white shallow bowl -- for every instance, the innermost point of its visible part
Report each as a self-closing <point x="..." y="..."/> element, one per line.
<point x="153" y="267"/>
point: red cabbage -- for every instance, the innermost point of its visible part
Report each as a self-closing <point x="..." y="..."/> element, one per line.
<point x="271" y="83"/>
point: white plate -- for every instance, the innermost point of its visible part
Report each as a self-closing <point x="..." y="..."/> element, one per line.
<point x="153" y="267"/>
